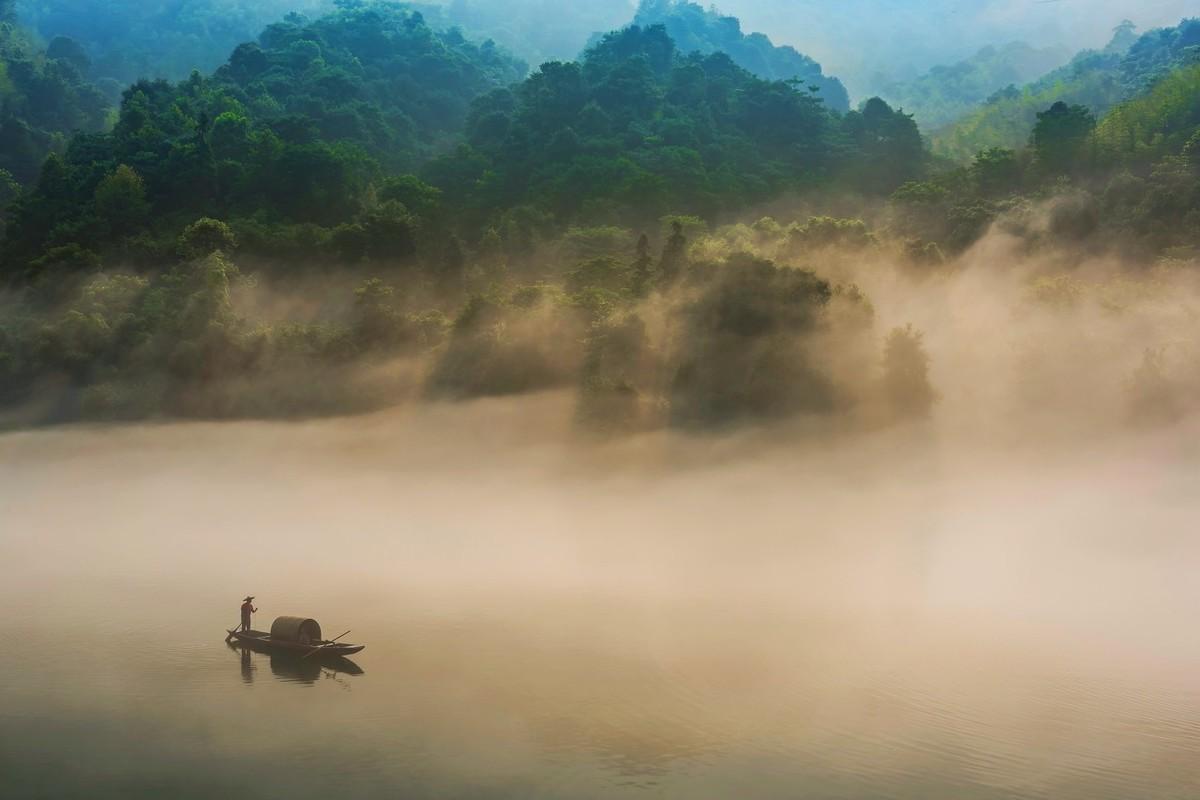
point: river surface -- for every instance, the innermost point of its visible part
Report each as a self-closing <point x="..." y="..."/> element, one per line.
<point x="549" y="619"/>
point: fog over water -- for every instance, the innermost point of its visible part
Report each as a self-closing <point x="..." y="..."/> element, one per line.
<point x="905" y="614"/>
<point x="823" y="496"/>
<point x="989" y="603"/>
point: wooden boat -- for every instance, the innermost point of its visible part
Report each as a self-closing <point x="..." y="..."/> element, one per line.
<point x="289" y="666"/>
<point x="297" y="635"/>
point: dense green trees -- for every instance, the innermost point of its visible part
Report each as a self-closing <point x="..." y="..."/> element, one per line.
<point x="1154" y="124"/>
<point x="1060" y="137"/>
<point x="946" y="93"/>
<point x="636" y="130"/>
<point x="1129" y="182"/>
<point x="127" y="40"/>
<point x="1098" y="80"/>
<point x="742" y="354"/>
<point x="906" y="374"/>
<point x="694" y="28"/>
<point x="516" y="233"/>
<point x="297" y="140"/>
<point x="44" y="98"/>
<point x="293" y="131"/>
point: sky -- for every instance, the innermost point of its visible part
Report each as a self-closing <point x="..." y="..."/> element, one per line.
<point x="853" y="39"/>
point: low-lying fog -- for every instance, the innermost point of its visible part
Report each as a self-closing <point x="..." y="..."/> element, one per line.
<point x="992" y="602"/>
<point x="502" y="495"/>
<point x="906" y="614"/>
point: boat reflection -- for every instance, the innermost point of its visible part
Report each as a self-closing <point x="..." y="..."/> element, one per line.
<point x="293" y="668"/>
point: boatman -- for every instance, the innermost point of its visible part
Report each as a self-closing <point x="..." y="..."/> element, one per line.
<point x="247" y="609"/>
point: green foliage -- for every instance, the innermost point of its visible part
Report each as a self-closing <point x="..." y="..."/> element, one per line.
<point x="121" y="200"/>
<point x="825" y="232"/>
<point x="131" y="39"/>
<point x="946" y="93"/>
<point x="906" y="374"/>
<point x="1097" y="80"/>
<point x="1160" y="52"/>
<point x="1155" y="124"/>
<point x="552" y="232"/>
<point x="205" y="236"/>
<point x="1007" y="118"/>
<point x="618" y="360"/>
<point x="1060" y="136"/>
<point x="292" y="131"/>
<point x="997" y="171"/>
<point x="44" y="97"/>
<point x="510" y="342"/>
<point x="744" y="355"/>
<point x="1135" y="179"/>
<point x="636" y="130"/>
<point x="886" y="148"/>
<point x="697" y="29"/>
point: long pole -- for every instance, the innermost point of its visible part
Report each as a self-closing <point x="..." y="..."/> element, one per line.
<point x="322" y="647"/>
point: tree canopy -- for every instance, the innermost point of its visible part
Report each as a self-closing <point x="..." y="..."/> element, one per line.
<point x="1098" y="80"/>
<point x="44" y="98"/>
<point x="293" y="129"/>
<point x="694" y="28"/>
<point x="636" y="128"/>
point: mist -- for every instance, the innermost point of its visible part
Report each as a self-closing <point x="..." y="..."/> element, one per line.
<point x="668" y="609"/>
<point x="645" y="426"/>
<point x="868" y="43"/>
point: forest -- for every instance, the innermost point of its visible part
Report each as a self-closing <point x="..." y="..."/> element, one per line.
<point x="364" y="203"/>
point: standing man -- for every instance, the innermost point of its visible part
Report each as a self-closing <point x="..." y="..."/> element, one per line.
<point x="247" y="609"/>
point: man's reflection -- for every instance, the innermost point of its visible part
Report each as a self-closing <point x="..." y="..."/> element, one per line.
<point x="247" y="666"/>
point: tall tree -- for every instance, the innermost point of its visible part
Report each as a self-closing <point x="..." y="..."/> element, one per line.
<point x="1060" y="135"/>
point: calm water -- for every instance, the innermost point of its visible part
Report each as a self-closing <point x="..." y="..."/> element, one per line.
<point x="540" y="629"/>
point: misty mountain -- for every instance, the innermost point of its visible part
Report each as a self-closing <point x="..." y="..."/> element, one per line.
<point x="131" y="39"/>
<point x="44" y="98"/>
<point x="945" y="93"/>
<point x="1097" y="79"/>
<point x="869" y="43"/>
<point x="638" y="128"/>
<point x="702" y="30"/>
<point x="534" y="30"/>
<point x="293" y="128"/>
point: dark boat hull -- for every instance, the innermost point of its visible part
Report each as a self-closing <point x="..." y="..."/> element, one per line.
<point x="260" y="640"/>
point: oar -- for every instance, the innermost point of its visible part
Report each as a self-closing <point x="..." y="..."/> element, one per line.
<point x="230" y="636"/>
<point x="322" y="647"/>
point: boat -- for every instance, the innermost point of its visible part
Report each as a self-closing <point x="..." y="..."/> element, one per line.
<point x="297" y="635"/>
<point x="288" y="666"/>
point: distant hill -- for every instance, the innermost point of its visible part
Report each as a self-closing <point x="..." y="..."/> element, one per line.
<point x="697" y="29"/>
<point x="1162" y="121"/>
<point x="946" y="93"/>
<point x="636" y="129"/>
<point x="44" y="98"/>
<point x="871" y="43"/>
<point x="1098" y="79"/>
<point x="131" y="39"/>
<point x="292" y="129"/>
<point x="534" y="30"/>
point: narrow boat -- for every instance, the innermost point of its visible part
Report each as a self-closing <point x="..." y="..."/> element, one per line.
<point x="298" y="635"/>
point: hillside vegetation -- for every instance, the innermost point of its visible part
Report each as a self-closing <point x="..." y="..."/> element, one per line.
<point x="360" y="208"/>
<point x="44" y="98"/>
<point x="1096" y="79"/>
<point x="946" y="93"/>
<point x="697" y="29"/>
